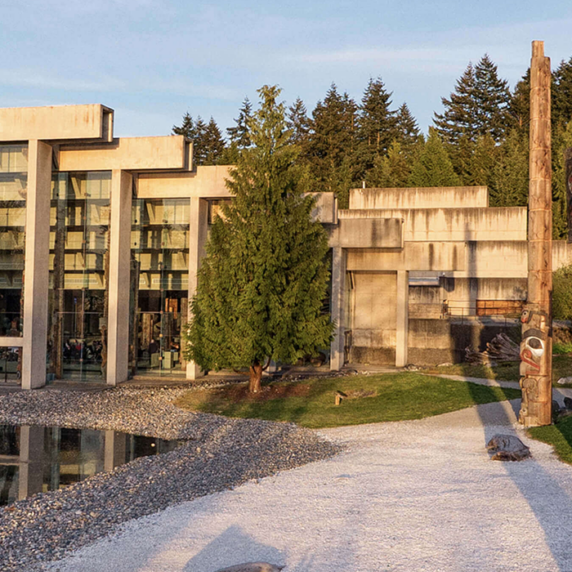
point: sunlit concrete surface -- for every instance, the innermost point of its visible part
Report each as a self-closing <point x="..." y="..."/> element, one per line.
<point x="419" y="495"/>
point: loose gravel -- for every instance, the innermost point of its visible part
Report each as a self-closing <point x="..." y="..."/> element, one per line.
<point x="221" y="453"/>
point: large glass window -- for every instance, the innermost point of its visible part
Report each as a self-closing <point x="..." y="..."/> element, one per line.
<point x="79" y="264"/>
<point x="159" y="279"/>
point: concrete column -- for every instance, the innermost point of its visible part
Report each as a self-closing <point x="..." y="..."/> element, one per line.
<point x="119" y="278"/>
<point x="402" y="325"/>
<point x="337" y="305"/>
<point x="198" y="233"/>
<point x="36" y="270"/>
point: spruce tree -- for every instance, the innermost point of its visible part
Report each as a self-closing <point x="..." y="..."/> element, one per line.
<point x="239" y="135"/>
<point x="207" y="140"/>
<point x="299" y="122"/>
<point x="562" y="94"/>
<point x="214" y="144"/>
<point x="376" y="125"/>
<point x="482" y="162"/>
<point x="433" y="167"/>
<point x="520" y="103"/>
<point x="332" y="144"/>
<point x="406" y="128"/>
<point x="262" y="283"/>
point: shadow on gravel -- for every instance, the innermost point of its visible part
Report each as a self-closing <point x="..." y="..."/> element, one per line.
<point x="546" y="498"/>
<point x="221" y="552"/>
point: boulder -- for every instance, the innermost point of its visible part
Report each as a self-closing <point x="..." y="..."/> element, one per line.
<point x="252" y="567"/>
<point x="568" y="403"/>
<point x="507" y="448"/>
<point x="564" y="380"/>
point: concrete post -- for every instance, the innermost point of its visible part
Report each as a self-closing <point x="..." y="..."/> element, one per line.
<point x="338" y="287"/>
<point x="36" y="270"/>
<point x="402" y="325"/>
<point x="198" y="233"/>
<point x="119" y="278"/>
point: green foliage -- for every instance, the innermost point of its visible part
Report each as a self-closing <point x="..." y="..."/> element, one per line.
<point x="406" y="128"/>
<point x="261" y="285"/>
<point x="562" y="293"/>
<point x="396" y="397"/>
<point x="561" y="140"/>
<point x="481" y="164"/>
<point x="391" y="170"/>
<point x="208" y="144"/>
<point x="433" y="167"/>
<point x="299" y="123"/>
<point x="332" y="144"/>
<point x="561" y="112"/>
<point x="562" y="348"/>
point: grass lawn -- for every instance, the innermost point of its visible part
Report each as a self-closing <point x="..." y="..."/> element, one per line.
<point x="371" y="399"/>
<point x="558" y="435"/>
<point x="561" y="367"/>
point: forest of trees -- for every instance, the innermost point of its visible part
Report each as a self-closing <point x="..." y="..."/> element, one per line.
<point x="480" y="138"/>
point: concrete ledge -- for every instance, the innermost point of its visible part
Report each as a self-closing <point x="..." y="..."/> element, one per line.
<point x="368" y="233"/>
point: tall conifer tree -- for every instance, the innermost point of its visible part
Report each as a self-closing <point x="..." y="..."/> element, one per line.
<point x="261" y="285"/>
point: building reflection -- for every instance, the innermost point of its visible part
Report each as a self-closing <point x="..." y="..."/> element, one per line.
<point x="37" y="459"/>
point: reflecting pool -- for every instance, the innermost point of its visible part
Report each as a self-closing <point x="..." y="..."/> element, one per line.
<point x="37" y="459"/>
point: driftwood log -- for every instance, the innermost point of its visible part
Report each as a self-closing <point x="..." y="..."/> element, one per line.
<point x="500" y="348"/>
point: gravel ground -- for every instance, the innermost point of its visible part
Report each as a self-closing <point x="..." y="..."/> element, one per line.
<point x="221" y="454"/>
<point x="411" y="496"/>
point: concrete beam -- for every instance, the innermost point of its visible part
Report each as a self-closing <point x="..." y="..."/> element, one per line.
<point x="368" y="233"/>
<point x="337" y="305"/>
<point x="198" y="234"/>
<point x="119" y="278"/>
<point x="206" y="182"/>
<point x="36" y="274"/>
<point x="402" y="322"/>
<point x="129" y="154"/>
<point x="419" y="198"/>
<point x="56" y="123"/>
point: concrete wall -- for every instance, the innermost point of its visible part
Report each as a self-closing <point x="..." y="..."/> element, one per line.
<point x="368" y="233"/>
<point x="419" y="198"/>
<point x="65" y="122"/>
<point x="445" y="224"/>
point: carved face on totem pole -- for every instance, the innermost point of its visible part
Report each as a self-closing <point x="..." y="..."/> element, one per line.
<point x="532" y="350"/>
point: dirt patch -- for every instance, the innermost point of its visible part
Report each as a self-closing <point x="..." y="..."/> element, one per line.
<point x="240" y="393"/>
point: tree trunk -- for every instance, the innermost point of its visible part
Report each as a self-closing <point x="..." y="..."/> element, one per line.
<point x="255" y="377"/>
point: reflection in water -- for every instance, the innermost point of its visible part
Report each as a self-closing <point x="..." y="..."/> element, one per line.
<point x="37" y="459"/>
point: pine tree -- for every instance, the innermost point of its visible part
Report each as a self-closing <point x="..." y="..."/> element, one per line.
<point x="376" y="125"/>
<point x="433" y="167"/>
<point x="509" y="186"/>
<point x="391" y="170"/>
<point x="261" y="285"/>
<point x="332" y="144"/>
<point x="207" y="140"/>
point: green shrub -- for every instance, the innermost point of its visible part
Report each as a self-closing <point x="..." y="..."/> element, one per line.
<point x="562" y="293"/>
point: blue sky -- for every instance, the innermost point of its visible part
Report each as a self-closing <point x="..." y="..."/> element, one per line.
<point x="153" y="60"/>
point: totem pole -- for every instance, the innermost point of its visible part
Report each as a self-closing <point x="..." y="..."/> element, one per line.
<point x="536" y="345"/>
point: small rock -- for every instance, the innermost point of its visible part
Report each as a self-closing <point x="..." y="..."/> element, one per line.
<point x="253" y="567"/>
<point x="564" y="380"/>
<point x="507" y="448"/>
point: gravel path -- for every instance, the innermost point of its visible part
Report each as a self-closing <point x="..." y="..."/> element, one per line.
<point x="221" y="454"/>
<point x="418" y="495"/>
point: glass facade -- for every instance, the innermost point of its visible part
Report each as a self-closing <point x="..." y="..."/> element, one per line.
<point x="159" y="284"/>
<point x="79" y="265"/>
<point x="13" y="190"/>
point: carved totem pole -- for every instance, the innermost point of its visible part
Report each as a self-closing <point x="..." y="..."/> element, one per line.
<point x="536" y="345"/>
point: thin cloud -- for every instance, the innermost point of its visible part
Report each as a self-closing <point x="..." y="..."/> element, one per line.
<point x="34" y="79"/>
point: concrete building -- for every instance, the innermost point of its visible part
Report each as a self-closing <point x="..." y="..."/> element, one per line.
<point x="101" y="239"/>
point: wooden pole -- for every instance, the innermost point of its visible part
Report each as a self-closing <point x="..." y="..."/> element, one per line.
<point x="536" y="345"/>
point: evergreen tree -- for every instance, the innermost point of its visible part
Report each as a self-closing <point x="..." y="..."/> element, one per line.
<point x="509" y="185"/>
<point x="520" y="103"/>
<point x="406" y="128"/>
<point x="299" y="122"/>
<point x="479" y="106"/>
<point x="562" y="94"/>
<point x="376" y="125"/>
<point x="214" y="144"/>
<point x="207" y="140"/>
<point x="561" y="141"/>
<point x="239" y="135"/>
<point x="433" y="167"/>
<point x="332" y="143"/>
<point x="261" y="285"/>
<point x="391" y="170"/>
<point x="482" y="162"/>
